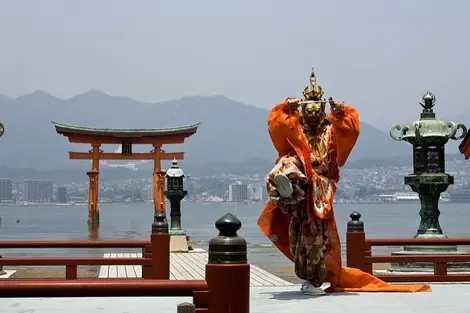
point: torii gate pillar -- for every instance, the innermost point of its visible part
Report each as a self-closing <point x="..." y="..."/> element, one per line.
<point x="158" y="181"/>
<point x="93" y="206"/>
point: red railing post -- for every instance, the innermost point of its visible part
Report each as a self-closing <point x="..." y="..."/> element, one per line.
<point x="228" y="271"/>
<point x="440" y="268"/>
<point x="2" y="272"/>
<point x="367" y="253"/>
<point x="71" y="272"/>
<point x="355" y="242"/>
<point x="147" y="254"/>
<point x="160" y="245"/>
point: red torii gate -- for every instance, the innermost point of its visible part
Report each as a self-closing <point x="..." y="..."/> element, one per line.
<point x="157" y="137"/>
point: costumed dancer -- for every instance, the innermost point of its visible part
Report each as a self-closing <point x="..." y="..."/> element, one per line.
<point x="299" y="217"/>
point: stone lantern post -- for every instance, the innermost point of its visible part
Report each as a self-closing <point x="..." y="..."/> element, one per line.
<point x="175" y="193"/>
<point x="429" y="179"/>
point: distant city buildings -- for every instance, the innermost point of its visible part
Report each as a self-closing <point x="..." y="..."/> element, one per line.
<point x="255" y="192"/>
<point x="376" y="183"/>
<point x="240" y="192"/>
<point x="6" y="190"/>
<point x="61" y="195"/>
<point x="147" y="193"/>
<point x="237" y="192"/>
<point x="38" y="191"/>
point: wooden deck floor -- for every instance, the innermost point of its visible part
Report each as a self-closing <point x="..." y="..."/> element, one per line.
<point x="185" y="266"/>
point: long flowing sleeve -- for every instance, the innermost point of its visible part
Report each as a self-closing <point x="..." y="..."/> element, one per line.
<point x="346" y="131"/>
<point x="284" y="127"/>
<point x="287" y="137"/>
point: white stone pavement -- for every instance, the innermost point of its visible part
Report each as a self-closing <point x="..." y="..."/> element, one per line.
<point x="445" y="298"/>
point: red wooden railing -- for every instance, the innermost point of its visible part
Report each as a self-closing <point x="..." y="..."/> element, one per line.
<point x="359" y="255"/>
<point x="225" y="288"/>
<point x="161" y="261"/>
<point x="14" y="288"/>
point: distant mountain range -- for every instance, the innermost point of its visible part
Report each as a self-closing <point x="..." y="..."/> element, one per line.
<point x="231" y="132"/>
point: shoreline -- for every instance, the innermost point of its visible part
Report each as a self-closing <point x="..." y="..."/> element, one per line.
<point x="85" y="204"/>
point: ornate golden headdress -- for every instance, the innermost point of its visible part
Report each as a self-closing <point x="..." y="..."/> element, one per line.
<point x="313" y="92"/>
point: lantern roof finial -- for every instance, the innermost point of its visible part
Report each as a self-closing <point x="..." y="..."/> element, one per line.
<point x="429" y="100"/>
<point x="174" y="170"/>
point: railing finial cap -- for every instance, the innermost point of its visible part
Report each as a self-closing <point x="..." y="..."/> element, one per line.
<point x="228" y="225"/>
<point x="159" y="216"/>
<point x="355" y="216"/>
<point x="159" y="225"/>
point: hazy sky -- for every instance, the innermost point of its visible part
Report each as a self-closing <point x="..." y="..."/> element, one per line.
<point x="379" y="56"/>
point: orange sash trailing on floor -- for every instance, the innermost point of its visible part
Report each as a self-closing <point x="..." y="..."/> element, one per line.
<point x="287" y="136"/>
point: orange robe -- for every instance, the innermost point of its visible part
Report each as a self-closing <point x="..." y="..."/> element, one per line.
<point x="287" y="136"/>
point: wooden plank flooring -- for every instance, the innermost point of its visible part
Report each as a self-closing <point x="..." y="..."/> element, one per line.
<point x="185" y="266"/>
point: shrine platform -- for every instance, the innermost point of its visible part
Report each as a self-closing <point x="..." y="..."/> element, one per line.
<point x="186" y="266"/>
<point x="449" y="298"/>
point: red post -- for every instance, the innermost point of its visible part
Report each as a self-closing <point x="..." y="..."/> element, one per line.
<point x="160" y="245"/>
<point x="228" y="272"/>
<point x="160" y="256"/>
<point x="440" y="268"/>
<point x="147" y="254"/>
<point x="355" y="242"/>
<point x="367" y="252"/>
<point x="71" y="272"/>
<point x="2" y="272"/>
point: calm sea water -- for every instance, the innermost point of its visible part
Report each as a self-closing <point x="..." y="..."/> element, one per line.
<point x="133" y="221"/>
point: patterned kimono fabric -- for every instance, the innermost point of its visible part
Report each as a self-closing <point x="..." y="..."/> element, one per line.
<point x="308" y="240"/>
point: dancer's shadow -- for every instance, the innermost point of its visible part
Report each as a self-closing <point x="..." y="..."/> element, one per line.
<point x="297" y="295"/>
